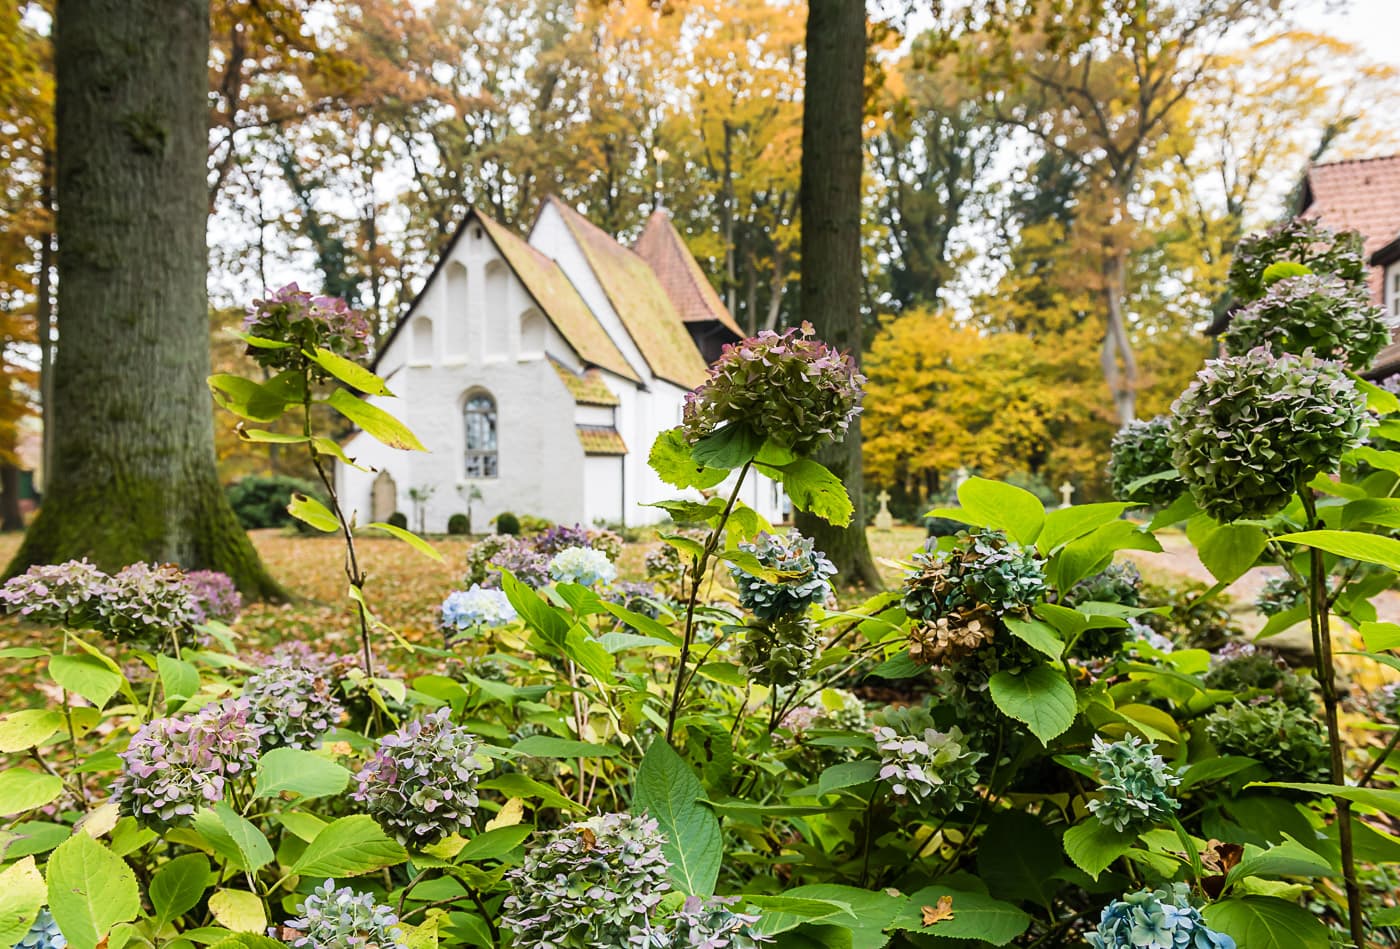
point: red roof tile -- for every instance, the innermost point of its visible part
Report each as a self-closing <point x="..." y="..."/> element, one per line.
<point x="1363" y="195"/>
<point x="695" y="299"/>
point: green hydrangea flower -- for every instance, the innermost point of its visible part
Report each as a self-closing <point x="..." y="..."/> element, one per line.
<point x="1289" y="741"/>
<point x="1304" y="241"/>
<point x="780" y="651"/>
<point x="1327" y="315"/>
<point x="1252" y="428"/>
<point x="1143" y="449"/>
<point x="1135" y="783"/>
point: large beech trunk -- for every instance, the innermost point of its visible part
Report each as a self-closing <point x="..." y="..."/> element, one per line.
<point x="133" y="475"/>
<point x="832" y="152"/>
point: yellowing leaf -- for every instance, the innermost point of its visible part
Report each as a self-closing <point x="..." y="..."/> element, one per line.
<point x="936" y="914"/>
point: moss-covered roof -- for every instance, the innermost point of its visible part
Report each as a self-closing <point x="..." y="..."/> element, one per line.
<point x="559" y="300"/>
<point x="588" y="387"/>
<point x="662" y="246"/>
<point x="640" y="301"/>
<point x="601" y="440"/>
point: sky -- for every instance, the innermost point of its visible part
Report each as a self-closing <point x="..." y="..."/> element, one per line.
<point x="1374" y="25"/>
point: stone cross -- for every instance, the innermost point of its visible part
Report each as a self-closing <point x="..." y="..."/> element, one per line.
<point x="884" y="520"/>
<point x="1066" y="492"/>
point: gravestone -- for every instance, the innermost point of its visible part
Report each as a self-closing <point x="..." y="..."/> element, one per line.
<point x="884" y="520"/>
<point x="384" y="497"/>
<point x="1066" y="492"/>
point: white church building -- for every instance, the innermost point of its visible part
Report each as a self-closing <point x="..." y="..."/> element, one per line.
<point x="538" y="371"/>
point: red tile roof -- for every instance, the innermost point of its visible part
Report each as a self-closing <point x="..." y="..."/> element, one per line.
<point x="600" y="440"/>
<point x="1362" y="194"/>
<point x="695" y="299"/>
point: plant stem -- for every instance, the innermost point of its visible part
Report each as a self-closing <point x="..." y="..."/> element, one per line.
<point x="1327" y="676"/>
<point x="711" y="544"/>
<point x="1376" y="765"/>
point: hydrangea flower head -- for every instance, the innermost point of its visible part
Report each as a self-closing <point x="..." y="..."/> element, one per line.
<point x="213" y="596"/>
<point x="150" y="605"/>
<point x="1288" y="740"/>
<point x="43" y="934"/>
<point x="1324" y="314"/>
<point x="1143" y="449"/>
<point x="1156" y="919"/>
<point x="175" y="766"/>
<point x="1298" y="240"/>
<point x="421" y="783"/>
<point x="593" y="883"/>
<point x="933" y="769"/>
<point x="305" y="322"/>
<point x="470" y="611"/>
<point x="64" y="594"/>
<point x="333" y="918"/>
<point x="582" y="565"/>
<point x="788" y="388"/>
<point x="292" y="704"/>
<point x="1252" y="428"/>
<point x="804" y="575"/>
<point x="780" y="651"/>
<point x="1135" y="782"/>
<point x="1279" y="594"/>
<point x="711" y="923"/>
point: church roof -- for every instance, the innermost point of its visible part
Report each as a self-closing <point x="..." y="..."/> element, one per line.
<point x="559" y="300"/>
<point x="601" y="440"/>
<point x="675" y="266"/>
<point x="641" y="302"/>
<point x="587" y="388"/>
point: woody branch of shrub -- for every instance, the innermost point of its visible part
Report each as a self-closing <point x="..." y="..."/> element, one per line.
<point x="308" y="344"/>
<point x="768" y="404"/>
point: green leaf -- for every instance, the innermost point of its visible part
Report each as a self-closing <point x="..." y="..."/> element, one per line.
<point x="1378" y="400"/>
<point x="730" y="447"/>
<point x="1370" y="548"/>
<point x="374" y="421"/>
<point x="1227" y="550"/>
<point x="305" y="773"/>
<point x="1065" y="524"/>
<point x="233" y="837"/>
<point x="239" y="911"/>
<point x="872" y="911"/>
<point x="780" y="914"/>
<point x="547" y="746"/>
<point x="310" y="511"/>
<point x="262" y="342"/>
<point x="1380" y="636"/>
<point x="23" y="790"/>
<point x="179" y="679"/>
<point x="22" y="730"/>
<point x="1093" y="845"/>
<point x="975" y="916"/>
<point x="494" y="844"/>
<point x="87" y="676"/>
<point x="349" y="372"/>
<point x="1039" y="636"/>
<point x="1091" y="553"/>
<point x="246" y="398"/>
<point x="1266" y="921"/>
<point x="814" y="489"/>
<point x="248" y="941"/>
<point x="899" y="666"/>
<point x="349" y="847"/>
<point x="1038" y="696"/>
<point x="90" y="890"/>
<point x="1386" y="801"/>
<point x="1288" y="859"/>
<point x="178" y="886"/>
<point x="1213" y="769"/>
<point x="515" y="784"/>
<point x="847" y="774"/>
<point x="1281" y="270"/>
<point x="410" y="538"/>
<point x="671" y="459"/>
<point x="1382" y="512"/>
<point x="22" y="895"/>
<point x="1003" y="506"/>
<point x="1018" y="857"/>
<point x="669" y="791"/>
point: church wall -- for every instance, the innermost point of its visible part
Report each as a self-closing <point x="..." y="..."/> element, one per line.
<point x="603" y="486"/>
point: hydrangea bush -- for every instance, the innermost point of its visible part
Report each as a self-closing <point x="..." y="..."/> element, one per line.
<point x="1326" y="316"/>
<point x="1141" y="467"/>
<point x="964" y="758"/>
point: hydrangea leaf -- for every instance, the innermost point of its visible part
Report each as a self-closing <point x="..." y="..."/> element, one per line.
<point x="348" y="371"/>
<point x="86" y="676"/>
<point x="1003" y="506"/>
<point x="1018" y="857"/>
<point x="673" y="463"/>
<point x="1226" y="550"/>
<point x="24" y="790"/>
<point x="26" y="728"/>
<point x="1065" y="524"/>
<point x="91" y="889"/>
<point x="975" y="916"/>
<point x="669" y="791"/>
<point x="1370" y="548"/>
<point x="290" y="770"/>
<point x="22" y="895"/>
<point x="178" y="886"/>
<point x="727" y="448"/>
<point x="1093" y="845"/>
<point x="410" y="538"/>
<point x="374" y="421"/>
<point x="350" y="846"/>
<point x="1266" y="921"/>
<point x="547" y="746"/>
<point x="814" y="489"/>
<point x="1039" y="696"/>
<point x="238" y="910"/>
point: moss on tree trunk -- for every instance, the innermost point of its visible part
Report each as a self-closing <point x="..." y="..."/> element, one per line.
<point x="133" y="475"/>
<point x="832" y="152"/>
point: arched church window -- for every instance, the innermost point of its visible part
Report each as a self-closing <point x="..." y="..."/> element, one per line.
<point x="479" y="417"/>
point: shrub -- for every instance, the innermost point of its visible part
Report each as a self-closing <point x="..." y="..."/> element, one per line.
<point x="1304" y="241"/>
<point x="507" y="523"/>
<point x="261" y="501"/>
<point x="399" y="519"/>
<point x="1325" y="315"/>
<point x="459" y="524"/>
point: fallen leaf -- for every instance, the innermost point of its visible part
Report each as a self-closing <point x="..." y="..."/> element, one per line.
<point x="936" y="914"/>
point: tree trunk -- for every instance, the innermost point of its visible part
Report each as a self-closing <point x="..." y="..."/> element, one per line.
<point x="1119" y="363"/>
<point x="43" y="307"/>
<point x="134" y="476"/>
<point x="832" y="113"/>
<point x="10" y="517"/>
